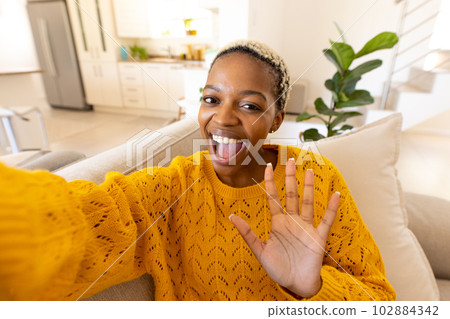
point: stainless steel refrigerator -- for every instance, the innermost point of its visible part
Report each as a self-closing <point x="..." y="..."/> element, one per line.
<point x="56" y="53"/>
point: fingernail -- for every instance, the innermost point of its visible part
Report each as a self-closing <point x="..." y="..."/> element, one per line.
<point x="291" y="159"/>
<point x="269" y="164"/>
<point x="310" y="169"/>
<point x="338" y="193"/>
<point x="229" y="217"/>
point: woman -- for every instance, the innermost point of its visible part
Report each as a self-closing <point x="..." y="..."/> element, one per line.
<point x="62" y="240"/>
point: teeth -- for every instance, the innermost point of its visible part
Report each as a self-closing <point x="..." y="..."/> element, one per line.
<point x="225" y="140"/>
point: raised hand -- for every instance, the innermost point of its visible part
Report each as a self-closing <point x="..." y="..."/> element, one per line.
<point x="293" y="254"/>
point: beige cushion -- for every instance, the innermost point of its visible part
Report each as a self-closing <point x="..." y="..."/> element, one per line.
<point x="141" y="289"/>
<point x="429" y="220"/>
<point x="366" y="157"/>
<point x="444" y="289"/>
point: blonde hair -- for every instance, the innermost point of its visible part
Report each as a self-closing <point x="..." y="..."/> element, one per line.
<point x="266" y="54"/>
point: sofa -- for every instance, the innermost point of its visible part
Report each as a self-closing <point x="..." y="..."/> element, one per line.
<point x="410" y="229"/>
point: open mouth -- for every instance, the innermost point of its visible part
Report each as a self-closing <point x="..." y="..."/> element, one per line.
<point x="225" y="149"/>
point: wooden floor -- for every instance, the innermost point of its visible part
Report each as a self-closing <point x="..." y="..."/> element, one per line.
<point x="92" y="132"/>
<point x="424" y="163"/>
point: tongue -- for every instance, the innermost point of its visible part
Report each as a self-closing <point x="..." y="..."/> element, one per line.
<point x="227" y="151"/>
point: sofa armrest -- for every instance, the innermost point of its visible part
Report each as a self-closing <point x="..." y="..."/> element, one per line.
<point x="429" y="220"/>
<point x="148" y="149"/>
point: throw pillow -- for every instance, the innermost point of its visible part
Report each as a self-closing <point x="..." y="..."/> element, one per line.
<point x="366" y="158"/>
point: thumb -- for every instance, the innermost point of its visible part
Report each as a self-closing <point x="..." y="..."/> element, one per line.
<point x="255" y="244"/>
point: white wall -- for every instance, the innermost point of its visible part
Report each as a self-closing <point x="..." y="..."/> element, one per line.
<point x="266" y="22"/>
<point x="308" y="26"/>
<point x="441" y="38"/>
<point x="233" y="20"/>
<point x="17" y="52"/>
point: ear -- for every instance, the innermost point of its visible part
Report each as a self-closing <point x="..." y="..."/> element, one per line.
<point x="279" y="118"/>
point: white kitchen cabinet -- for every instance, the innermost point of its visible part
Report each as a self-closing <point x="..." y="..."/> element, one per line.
<point x="175" y="86"/>
<point x="209" y="4"/>
<point x="132" y="18"/>
<point x="110" y="85"/>
<point x="93" y="30"/>
<point x="156" y="89"/>
<point x="155" y="86"/>
<point x="101" y="83"/>
<point x="251" y="19"/>
<point x="132" y="84"/>
<point x="92" y="87"/>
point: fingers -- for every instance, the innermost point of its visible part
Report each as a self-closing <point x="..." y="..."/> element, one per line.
<point x="249" y="236"/>
<point x="291" y="188"/>
<point x="307" y="211"/>
<point x="329" y="216"/>
<point x="272" y="194"/>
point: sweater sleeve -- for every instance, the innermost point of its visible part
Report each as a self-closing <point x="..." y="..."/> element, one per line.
<point x="352" y="267"/>
<point x="66" y="241"/>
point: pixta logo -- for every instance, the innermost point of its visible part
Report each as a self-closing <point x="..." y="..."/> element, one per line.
<point x="148" y="149"/>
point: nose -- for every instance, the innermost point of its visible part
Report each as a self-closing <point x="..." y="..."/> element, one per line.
<point x="225" y="114"/>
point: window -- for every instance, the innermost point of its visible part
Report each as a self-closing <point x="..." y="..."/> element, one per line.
<point x="172" y="18"/>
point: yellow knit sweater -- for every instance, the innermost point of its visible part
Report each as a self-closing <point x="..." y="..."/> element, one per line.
<point x="57" y="238"/>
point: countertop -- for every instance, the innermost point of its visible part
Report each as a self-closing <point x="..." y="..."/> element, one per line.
<point x="185" y="64"/>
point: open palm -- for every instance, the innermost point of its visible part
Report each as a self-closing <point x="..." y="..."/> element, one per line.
<point x="293" y="254"/>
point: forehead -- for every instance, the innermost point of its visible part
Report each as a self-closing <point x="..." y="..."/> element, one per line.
<point x="243" y="71"/>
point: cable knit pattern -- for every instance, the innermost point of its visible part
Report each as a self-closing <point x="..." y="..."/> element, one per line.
<point x="57" y="238"/>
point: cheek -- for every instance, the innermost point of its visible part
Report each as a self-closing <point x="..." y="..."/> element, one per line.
<point x="204" y="115"/>
<point x="258" y="130"/>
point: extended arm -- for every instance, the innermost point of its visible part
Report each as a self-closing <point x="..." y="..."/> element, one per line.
<point x="58" y="239"/>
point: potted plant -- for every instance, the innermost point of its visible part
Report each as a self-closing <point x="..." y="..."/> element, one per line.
<point x="343" y="85"/>
<point x="188" y="27"/>
<point x="138" y="52"/>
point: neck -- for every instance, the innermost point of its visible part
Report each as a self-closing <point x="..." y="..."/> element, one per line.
<point x="251" y="174"/>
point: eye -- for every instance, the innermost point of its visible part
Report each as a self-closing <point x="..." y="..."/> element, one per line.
<point x="209" y="100"/>
<point x="251" y="107"/>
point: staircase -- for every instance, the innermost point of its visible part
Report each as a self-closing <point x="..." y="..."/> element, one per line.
<point x="419" y="83"/>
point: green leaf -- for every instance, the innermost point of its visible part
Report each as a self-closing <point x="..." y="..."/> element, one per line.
<point x="322" y="108"/>
<point x="363" y="68"/>
<point x="343" y="97"/>
<point x="312" y="134"/>
<point x="349" y="86"/>
<point x="344" y="55"/>
<point x="345" y="127"/>
<point x="384" y="40"/>
<point x="337" y="79"/>
<point x="341" y="33"/>
<point x="342" y="117"/>
<point x="335" y="97"/>
<point x="332" y="57"/>
<point x="329" y="84"/>
<point x="357" y="98"/>
<point x="306" y="116"/>
<point x="303" y="117"/>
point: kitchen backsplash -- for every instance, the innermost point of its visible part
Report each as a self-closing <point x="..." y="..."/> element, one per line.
<point x="159" y="47"/>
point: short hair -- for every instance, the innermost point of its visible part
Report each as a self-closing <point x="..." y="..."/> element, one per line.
<point x="266" y="54"/>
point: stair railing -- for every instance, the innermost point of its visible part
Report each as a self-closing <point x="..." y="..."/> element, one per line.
<point x="397" y="53"/>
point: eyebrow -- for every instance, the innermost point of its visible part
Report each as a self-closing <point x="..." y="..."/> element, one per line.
<point x="245" y="92"/>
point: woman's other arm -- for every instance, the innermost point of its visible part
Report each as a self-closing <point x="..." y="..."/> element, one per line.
<point x="67" y="241"/>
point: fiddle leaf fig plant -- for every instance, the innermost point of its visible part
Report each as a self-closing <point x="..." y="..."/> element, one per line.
<point x="343" y="85"/>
